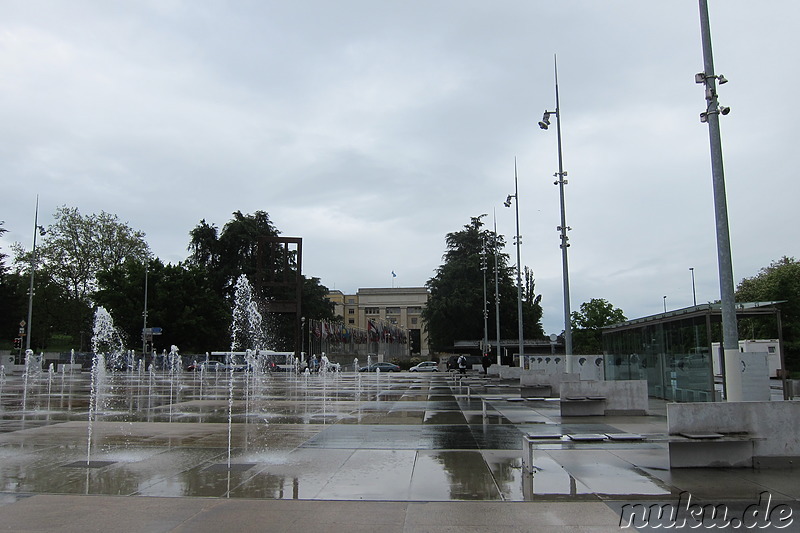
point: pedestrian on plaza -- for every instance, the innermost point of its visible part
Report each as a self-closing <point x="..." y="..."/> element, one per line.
<point x="486" y="363"/>
<point x="462" y="364"/>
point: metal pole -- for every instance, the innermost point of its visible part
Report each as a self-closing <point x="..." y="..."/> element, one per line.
<point x="564" y="239"/>
<point x="144" y="325"/>
<point x="496" y="291"/>
<point x="519" y="268"/>
<point x="694" y="292"/>
<point x="730" y="333"/>
<point x="33" y="269"/>
<point x="485" y="303"/>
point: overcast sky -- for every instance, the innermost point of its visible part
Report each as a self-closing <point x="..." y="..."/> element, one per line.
<point x="373" y="128"/>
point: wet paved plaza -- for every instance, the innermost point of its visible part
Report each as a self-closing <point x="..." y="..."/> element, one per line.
<point x="342" y="436"/>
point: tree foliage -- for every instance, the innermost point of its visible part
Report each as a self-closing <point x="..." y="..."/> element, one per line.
<point x="82" y="261"/>
<point x="72" y="251"/>
<point x="180" y="300"/>
<point x="780" y="281"/>
<point x="74" y="248"/>
<point x="235" y="250"/>
<point x="2" y="255"/>
<point x="455" y="307"/>
<point x="588" y="323"/>
<point x="243" y="246"/>
<point x="11" y="299"/>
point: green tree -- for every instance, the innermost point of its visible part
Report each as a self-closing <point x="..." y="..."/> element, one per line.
<point x="243" y="247"/>
<point x="73" y="250"/>
<point x="10" y="301"/>
<point x="455" y="307"/>
<point x="240" y="248"/>
<point x="780" y="281"/>
<point x="51" y="304"/>
<point x="588" y="324"/>
<point x="180" y="300"/>
<point x="531" y="308"/>
<point x="2" y="255"/>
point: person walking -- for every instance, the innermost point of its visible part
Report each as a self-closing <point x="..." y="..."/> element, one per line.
<point x="462" y="364"/>
<point x="486" y="362"/>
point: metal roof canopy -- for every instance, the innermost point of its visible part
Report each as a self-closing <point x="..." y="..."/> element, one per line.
<point x="709" y="311"/>
<point x="743" y="310"/>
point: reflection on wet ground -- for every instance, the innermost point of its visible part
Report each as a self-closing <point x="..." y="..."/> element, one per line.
<point x="336" y="437"/>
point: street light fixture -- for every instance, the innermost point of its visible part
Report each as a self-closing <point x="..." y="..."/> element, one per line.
<point x="545" y="122"/>
<point x="518" y="242"/>
<point x="694" y="292"/>
<point x="563" y="228"/>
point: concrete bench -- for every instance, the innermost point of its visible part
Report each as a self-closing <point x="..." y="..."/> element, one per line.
<point x="704" y="450"/>
<point x="530" y="442"/>
<point x="486" y="399"/>
<point x="583" y="406"/>
<point x="540" y="399"/>
<point x="534" y="441"/>
<point x="536" y="390"/>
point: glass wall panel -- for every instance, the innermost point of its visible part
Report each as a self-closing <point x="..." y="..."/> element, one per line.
<point x="674" y="358"/>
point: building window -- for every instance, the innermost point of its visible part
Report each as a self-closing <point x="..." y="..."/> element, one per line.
<point x="392" y="320"/>
<point x="413" y="321"/>
<point x="351" y="311"/>
<point x="414" y="310"/>
<point x="372" y="310"/>
<point x="771" y="349"/>
<point x="392" y="310"/>
<point x="351" y="320"/>
<point x="351" y="300"/>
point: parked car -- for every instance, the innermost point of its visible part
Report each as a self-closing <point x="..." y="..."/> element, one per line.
<point x="425" y="366"/>
<point x="211" y="366"/>
<point x="384" y="367"/>
<point x="217" y="366"/>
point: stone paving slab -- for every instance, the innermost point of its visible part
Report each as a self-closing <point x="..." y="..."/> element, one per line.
<point x="354" y="453"/>
<point x="82" y="514"/>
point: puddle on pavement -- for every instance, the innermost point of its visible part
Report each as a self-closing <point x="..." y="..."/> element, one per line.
<point x="404" y="437"/>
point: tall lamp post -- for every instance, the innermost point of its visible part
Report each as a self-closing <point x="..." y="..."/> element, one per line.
<point x="730" y="332"/>
<point x="37" y="229"/>
<point x="563" y="228"/>
<point x="694" y="292"/>
<point x="496" y="291"/>
<point x="485" y="346"/>
<point x="518" y="242"/>
<point x="144" y="323"/>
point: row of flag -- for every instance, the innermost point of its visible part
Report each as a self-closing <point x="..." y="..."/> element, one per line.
<point x="377" y="331"/>
<point x="382" y="332"/>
